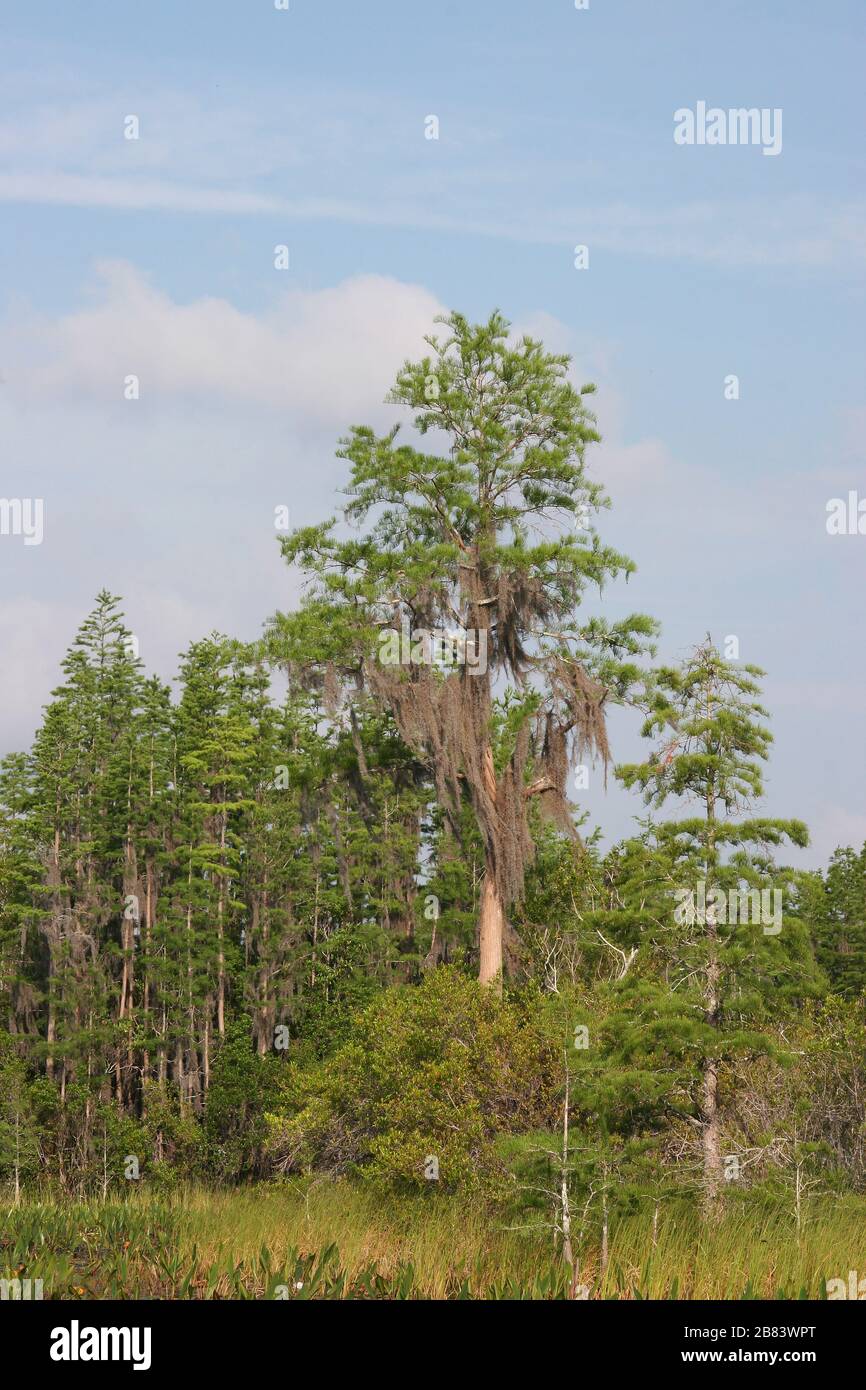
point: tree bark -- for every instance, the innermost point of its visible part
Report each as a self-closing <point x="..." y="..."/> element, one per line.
<point x="491" y="920"/>
<point x="565" y="1206"/>
<point x="710" y="1101"/>
<point x="221" y="960"/>
<point x="491" y="928"/>
<point x="711" y="1139"/>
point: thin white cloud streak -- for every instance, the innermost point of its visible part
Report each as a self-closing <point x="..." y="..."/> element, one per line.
<point x="787" y="232"/>
<point x="196" y="157"/>
<point x="78" y="190"/>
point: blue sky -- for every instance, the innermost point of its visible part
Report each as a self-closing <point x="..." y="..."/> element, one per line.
<point x="261" y="127"/>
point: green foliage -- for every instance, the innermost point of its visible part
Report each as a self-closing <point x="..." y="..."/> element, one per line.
<point x="434" y="1071"/>
<point x="734" y="966"/>
<point x="240" y="1091"/>
<point x="168" y="869"/>
<point x="21" y="1115"/>
<point x="836" y="904"/>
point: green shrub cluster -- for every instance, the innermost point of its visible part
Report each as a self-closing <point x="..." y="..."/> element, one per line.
<point x="437" y="1071"/>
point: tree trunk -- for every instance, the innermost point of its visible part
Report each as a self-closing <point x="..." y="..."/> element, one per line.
<point x="711" y="1139"/>
<point x="565" y="1206"/>
<point x="491" y="929"/>
<point x="710" y="1100"/>
<point x="221" y="961"/>
<point x="491" y="921"/>
<point x="18" y="1159"/>
<point x="145" y="1002"/>
<point x="710" y="1103"/>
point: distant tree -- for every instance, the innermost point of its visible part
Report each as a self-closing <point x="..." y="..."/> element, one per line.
<point x="19" y="1118"/>
<point x="837" y="903"/>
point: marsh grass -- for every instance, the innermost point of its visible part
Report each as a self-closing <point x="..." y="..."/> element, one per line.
<point x="326" y="1239"/>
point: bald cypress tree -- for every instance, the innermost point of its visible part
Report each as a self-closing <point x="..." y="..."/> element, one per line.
<point x="482" y="543"/>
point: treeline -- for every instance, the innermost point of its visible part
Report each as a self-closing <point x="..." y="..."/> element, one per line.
<point x="239" y="933"/>
<point x="167" y="866"/>
<point x="214" y="885"/>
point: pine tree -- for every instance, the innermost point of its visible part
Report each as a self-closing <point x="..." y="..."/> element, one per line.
<point x="80" y="767"/>
<point x="215" y="759"/>
<point x="153" y="783"/>
<point x="713" y="741"/>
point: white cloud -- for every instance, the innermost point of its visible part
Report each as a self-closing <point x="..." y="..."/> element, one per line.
<point x="323" y="356"/>
<point x="170" y="501"/>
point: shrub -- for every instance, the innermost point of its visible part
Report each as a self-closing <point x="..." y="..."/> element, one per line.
<point x="234" y="1126"/>
<point x="437" y="1070"/>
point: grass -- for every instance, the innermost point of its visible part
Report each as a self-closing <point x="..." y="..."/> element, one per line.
<point x="337" y="1240"/>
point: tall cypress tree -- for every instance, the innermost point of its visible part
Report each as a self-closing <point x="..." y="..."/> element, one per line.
<point x="487" y="540"/>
